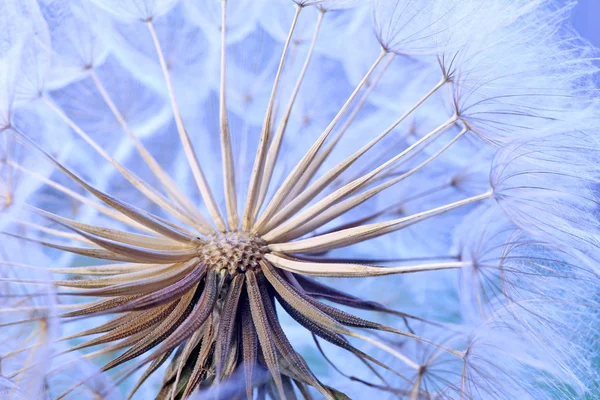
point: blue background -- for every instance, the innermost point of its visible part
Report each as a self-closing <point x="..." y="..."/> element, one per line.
<point x="586" y="19"/>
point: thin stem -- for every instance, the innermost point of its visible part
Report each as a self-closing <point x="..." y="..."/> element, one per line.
<point x="76" y="128"/>
<point x="395" y="208"/>
<point x="18" y="351"/>
<point x="361" y="233"/>
<point x="353" y="186"/>
<point x="140" y="185"/>
<point x="8" y="193"/>
<point x="55" y="232"/>
<point x="155" y="223"/>
<point x="226" y="151"/>
<point x="318" y="186"/>
<point x="414" y="393"/>
<point x="463" y="379"/>
<point x="168" y="184"/>
<point x="410" y="363"/>
<point x="243" y="148"/>
<point x="322" y="156"/>
<point x="185" y="139"/>
<point x="109" y="212"/>
<point x="301" y="167"/>
<point x="158" y="243"/>
<point x="257" y="169"/>
<point x="42" y="337"/>
<point x="329" y="269"/>
<point x="22" y="322"/>
<point x="277" y="139"/>
<point x="306" y="224"/>
<point x="37" y="308"/>
<point x="385" y="153"/>
<point x="21" y="265"/>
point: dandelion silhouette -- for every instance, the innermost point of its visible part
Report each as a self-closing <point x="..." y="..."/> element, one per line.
<point x="462" y="156"/>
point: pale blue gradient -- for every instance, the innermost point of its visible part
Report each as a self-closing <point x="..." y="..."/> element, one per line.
<point x="586" y="19"/>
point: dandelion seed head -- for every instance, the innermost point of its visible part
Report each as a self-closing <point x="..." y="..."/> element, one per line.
<point x="297" y="199"/>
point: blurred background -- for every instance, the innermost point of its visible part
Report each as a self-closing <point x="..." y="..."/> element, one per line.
<point x="586" y="19"/>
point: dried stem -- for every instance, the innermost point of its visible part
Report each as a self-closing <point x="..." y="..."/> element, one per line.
<point x="361" y="233"/>
<point x="109" y="212"/>
<point x="355" y="270"/>
<point x="350" y="188"/>
<point x="275" y="146"/>
<point x="226" y="151"/>
<point x="317" y="187"/>
<point x="168" y="184"/>
<point x="301" y="167"/>
<point x="258" y="168"/>
<point x="300" y="225"/>
<point x="139" y="184"/>
<point x="185" y="139"/>
<point x="322" y="156"/>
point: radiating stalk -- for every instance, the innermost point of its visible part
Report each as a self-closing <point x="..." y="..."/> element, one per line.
<point x="43" y="337"/>
<point x="322" y="156"/>
<point x="414" y="393"/>
<point x="185" y="139"/>
<point x="410" y="363"/>
<point x="357" y="184"/>
<point x="384" y="154"/>
<point x="463" y="380"/>
<point x="301" y="167"/>
<point x="158" y="225"/>
<point x="388" y="209"/>
<point x="7" y="195"/>
<point x="20" y="350"/>
<point x="168" y="184"/>
<point x="257" y="169"/>
<point x="21" y="265"/>
<point x="54" y="232"/>
<point x="305" y="223"/>
<point x="157" y="243"/>
<point x="358" y="234"/>
<point x="318" y="317"/>
<point x="109" y="212"/>
<point x="140" y="185"/>
<point x="317" y="187"/>
<point x="330" y="269"/>
<point x="275" y="146"/>
<point x="226" y="152"/>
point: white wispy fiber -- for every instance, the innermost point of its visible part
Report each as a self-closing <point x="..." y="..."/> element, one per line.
<point x="564" y="165"/>
<point x="298" y="199"/>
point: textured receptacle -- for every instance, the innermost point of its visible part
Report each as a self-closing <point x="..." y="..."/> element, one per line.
<point x="234" y="251"/>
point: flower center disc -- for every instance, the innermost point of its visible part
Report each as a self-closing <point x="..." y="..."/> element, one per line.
<point x="234" y="252"/>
